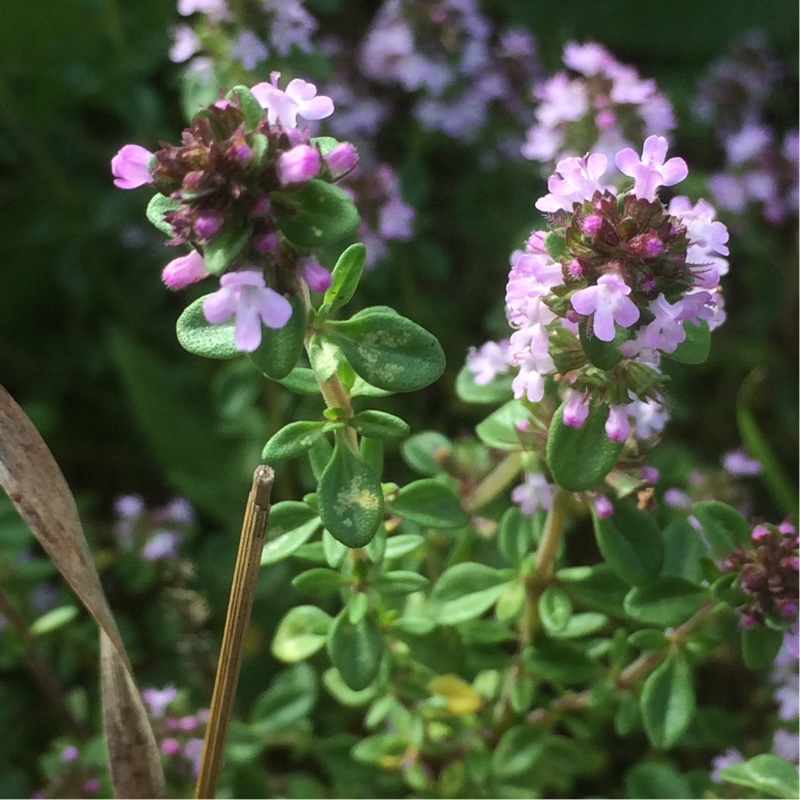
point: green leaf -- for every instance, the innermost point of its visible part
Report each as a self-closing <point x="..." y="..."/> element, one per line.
<point x="597" y="587"/>
<point x="694" y="349"/>
<point x="380" y="425"/>
<point x="427" y="502"/>
<point x="324" y="143"/>
<point x="54" y="619"/>
<point x="226" y="247"/>
<point x="760" y="646"/>
<point x="334" y="550"/>
<point x="667" y="601"/>
<point x="766" y="773"/>
<point x="319" y="456"/>
<point x="656" y="781"/>
<point x="372" y="452"/>
<point x="605" y="355"/>
<point x="497" y="390"/>
<point x="290" y="698"/>
<point x="465" y="591"/>
<point x="343" y="693"/>
<point x="399" y="582"/>
<point x="517" y="753"/>
<point x="301" y="380"/>
<point x="561" y="662"/>
<point x="301" y="633"/>
<point x="684" y="551"/>
<point x="199" y="337"/>
<point x="346" y="275"/>
<point x="350" y="497"/>
<point x="500" y="429"/>
<point x="581" y="457"/>
<point x="388" y="351"/>
<point x="318" y="581"/>
<point x="248" y="105"/>
<point x="511" y="601"/>
<point x="556" y="245"/>
<point x="427" y="451"/>
<point x="648" y="639"/>
<point x="402" y="544"/>
<point x="158" y="206"/>
<point x="516" y="534"/>
<point x="281" y="348"/>
<point x="555" y="609"/>
<point x="630" y="541"/>
<point x="667" y="702"/>
<point x="323" y="214"/>
<point x="580" y="625"/>
<point x="725" y="528"/>
<point x="324" y="355"/>
<point x="356" y="650"/>
<point x="291" y="440"/>
<point x="291" y="524"/>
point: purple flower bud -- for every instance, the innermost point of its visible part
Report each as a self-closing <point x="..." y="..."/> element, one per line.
<point x="315" y="275"/>
<point x="341" y="159"/>
<point x="92" y="786"/>
<point x="129" y="505"/>
<point x="618" y="427"/>
<point x="576" y="410"/>
<point x="261" y="208"/>
<point x="207" y="225"/>
<point x="182" y="271"/>
<point x="298" y="165"/>
<point x="69" y="753"/>
<point x="649" y="474"/>
<point x="266" y="242"/>
<point x="170" y="746"/>
<point x="157" y="700"/>
<point x="188" y="723"/>
<point x="760" y="532"/>
<point x="163" y="544"/>
<point x="676" y="498"/>
<point x="591" y="225"/>
<point x="602" y="506"/>
<point x="130" y="167"/>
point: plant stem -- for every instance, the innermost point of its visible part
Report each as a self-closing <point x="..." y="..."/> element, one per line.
<point x="240" y="605"/>
<point x="494" y="483"/>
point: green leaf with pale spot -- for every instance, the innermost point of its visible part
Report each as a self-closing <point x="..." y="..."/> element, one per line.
<point x="158" y="206"/>
<point x="694" y="349"/>
<point x="301" y="633"/>
<point x="281" y="348"/>
<point x="579" y="458"/>
<point x="346" y="275"/>
<point x="350" y="497"/>
<point x="292" y="440"/>
<point x="324" y="356"/>
<point x="667" y="701"/>
<point x="427" y="502"/>
<point x="199" y="337"/>
<point x="388" y="350"/>
<point x="323" y="214"/>
<point x="226" y="247"/>
<point x="356" y="650"/>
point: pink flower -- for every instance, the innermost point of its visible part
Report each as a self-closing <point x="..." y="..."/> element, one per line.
<point x="576" y="410"/>
<point x="533" y="494"/>
<point x="130" y="167"/>
<point x="246" y="296"/>
<point x="341" y="159"/>
<point x="315" y="275"/>
<point x="651" y="171"/>
<point x="300" y="98"/>
<point x="574" y="180"/>
<point x="488" y="361"/>
<point x="609" y="302"/>
<point x="184" y="270"/>
<point x="298" y="165"/>
<point x="618" y="427"/>
<point x="602" y="506"/>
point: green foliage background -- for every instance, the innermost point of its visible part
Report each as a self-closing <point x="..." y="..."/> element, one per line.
<point x="87" y="342"/>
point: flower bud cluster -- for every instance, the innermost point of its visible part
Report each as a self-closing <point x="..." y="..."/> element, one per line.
<point x="155" y="533"/>
<point x="768" y="574"/>
<point x="600" y="105"/>
<point x="599" y="298"/>
<point x="233" y="181"/>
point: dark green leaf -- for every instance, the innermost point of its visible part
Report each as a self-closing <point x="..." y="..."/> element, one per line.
<point x="350" y="497"/>
<point x="561" y="662"/>
<point x="581" y="457"/>
<point x="290" y="698"/>
<point x="380" y="425"/>
<point x="400" y="582"/>
<point x="517" y="752"/>
<point x="648" y="639"/>
<point x="248" y="105"/>
<point x="281" y="348"/>
<point x="301" y="380"/>
<point x="604" y="355"/>
<point x="323" y="214"/>
<point x="667" y="601"/>
<point x="684" y="551"/>
<point x="597" y="587"/>
<point x="389" y="351"/>
<point x="291" y="440"/>
<point x="766" y="773"/>
<point x="725" y="528"/>
<point x="429" y="503"/>
<point x="667" y="702"/>
<point x="199" y="337"/>
<point x="760" y="646"/>
<point x="630" y="542"/>
<point x="226" y="247"/>
<point x="516" y="535"/>
<point x="696" y="347"/>
<point x="157" y="207"/>
<point x="346" y="275"/>
<point x="653" y="781"/>
<point x="318" y="581"/>
<point x="291" y="524"/>
<point x="427" y="451"/>
<point x="497" y="390"/>
<point x="319" y="456"/>
<point x="465" y="591"/>
<point x="356" y="650"/>
<point x="334" y="550"/>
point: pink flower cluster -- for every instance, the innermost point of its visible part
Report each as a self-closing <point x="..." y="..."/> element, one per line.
<point x="212" y="181"/>
<point x="616" y="272"/>
<point x="596" y="107"/>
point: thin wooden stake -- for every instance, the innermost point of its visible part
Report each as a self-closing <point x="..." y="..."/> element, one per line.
<point x="243" y="589"/>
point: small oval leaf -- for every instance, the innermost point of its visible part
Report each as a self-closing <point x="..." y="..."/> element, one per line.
<point x="199" y="337"/>
<point x="356" y="650"/>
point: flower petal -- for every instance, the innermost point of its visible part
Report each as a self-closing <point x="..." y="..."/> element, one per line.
<point x="274" y="309"/>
